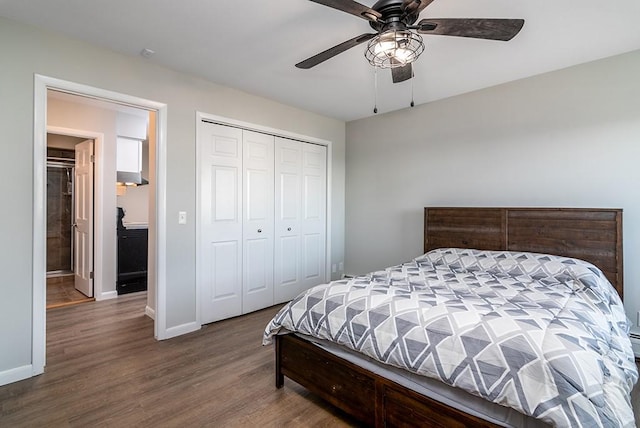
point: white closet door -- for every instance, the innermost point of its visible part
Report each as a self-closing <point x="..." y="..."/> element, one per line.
<point x="258" y="224"/>
<point x="300" y="217"/>
<point x="288" y="164"/>
<point x="220" y="240"/>
<point x="314" y="212"/>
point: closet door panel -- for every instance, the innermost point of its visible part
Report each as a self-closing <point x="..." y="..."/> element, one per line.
<point x="289" y="154"/>
<point x="313" y="225"/>
<point x="259" y="205"/>
<point x="288" y="270"/>
<point x="257" y="278"/>
<point x="312" y="258"/>
<point x="224" y="266"/>
<point x="258" y="221"/>
<point x="225" y="194"/>
<point x="262" y="220"/>
<point x="288" y="197"/>
<point x="220" y="221"/>
<point x="313" y="203"/>
<point x="300" y="217"/>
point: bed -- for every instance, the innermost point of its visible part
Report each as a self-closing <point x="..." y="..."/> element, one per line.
<point x="384" y="380"/>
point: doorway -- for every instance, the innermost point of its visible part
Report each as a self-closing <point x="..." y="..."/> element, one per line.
<point x="60" y="188"/>
<point x="157" y="224"/>
<point x="66" y="266"/>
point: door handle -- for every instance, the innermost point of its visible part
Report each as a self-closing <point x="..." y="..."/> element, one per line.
<point x="259" y="230"/>
<point x="288" y="229"/>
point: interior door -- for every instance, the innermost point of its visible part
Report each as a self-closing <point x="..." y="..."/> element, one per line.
<point x="258" y="224"/>
<point x="301" y="211"/>
<point x="220" y="218"/>
<point x="288" y="172"/>
<point x="313" y="224"/>
<point x="83" y="218"/>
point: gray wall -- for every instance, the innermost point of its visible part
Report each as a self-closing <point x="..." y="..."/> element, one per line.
<point x="24" y="51"/>
<point x="570" y="138"/>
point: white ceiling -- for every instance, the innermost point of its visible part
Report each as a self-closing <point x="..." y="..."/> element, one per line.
<point x="252" y="45"/>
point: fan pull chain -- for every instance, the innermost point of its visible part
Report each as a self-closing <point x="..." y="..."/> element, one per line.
<point x="412" y="79"/>
<point x="375" y="90"/>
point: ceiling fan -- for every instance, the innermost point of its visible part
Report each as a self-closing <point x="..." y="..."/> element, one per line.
<point x="397" y="41"/>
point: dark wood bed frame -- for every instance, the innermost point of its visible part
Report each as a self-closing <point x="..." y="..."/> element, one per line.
<point x="594" y="235"/>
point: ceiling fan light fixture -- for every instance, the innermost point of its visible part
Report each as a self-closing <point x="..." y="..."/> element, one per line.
<point x="394" y="48"/>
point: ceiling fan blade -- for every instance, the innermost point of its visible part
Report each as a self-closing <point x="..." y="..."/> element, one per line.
<point x="400" y="74"/>
<point x="353" y="8"/>
<point x="415" y="6"/>
<point x="331" y="52"/>
<point x="491" y="29"/>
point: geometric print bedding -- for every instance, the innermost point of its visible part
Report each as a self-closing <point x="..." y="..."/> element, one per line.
<point x="545" y="335"/>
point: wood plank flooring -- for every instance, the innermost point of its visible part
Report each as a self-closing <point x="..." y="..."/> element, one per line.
<point x="61" y="292"/>
<point x="105" y="369"/>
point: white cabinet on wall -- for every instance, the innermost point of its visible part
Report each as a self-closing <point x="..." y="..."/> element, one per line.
<point x="262" y="219"/>
<point x="128" y="154"/>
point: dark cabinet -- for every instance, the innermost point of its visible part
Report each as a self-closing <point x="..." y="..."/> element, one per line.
<point x="132" y="260"/>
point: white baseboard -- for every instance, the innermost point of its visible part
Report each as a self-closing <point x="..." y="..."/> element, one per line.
<point x="106" y="295"/>
<point x="14" y="375"/>
<point x="181" y="329"/>
<point x="635" y="344"/>
<point x="151" y="313"/>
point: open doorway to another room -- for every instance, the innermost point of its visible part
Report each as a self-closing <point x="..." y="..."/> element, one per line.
<point x="97" y="241"/>
<point x="132" y="192"/>
<point x="62" y="245"/>
<point x="74" y="121"/>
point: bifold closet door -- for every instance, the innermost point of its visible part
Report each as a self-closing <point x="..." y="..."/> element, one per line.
<point x="262" y="220"/>
<point x="258" y="214"/>
<point x="220" y="217"/>
<point x="300" y="235"/>
<point x="236" y="221"/>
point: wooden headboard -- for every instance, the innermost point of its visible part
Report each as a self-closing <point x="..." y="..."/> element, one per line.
<point x="594" y="235"/>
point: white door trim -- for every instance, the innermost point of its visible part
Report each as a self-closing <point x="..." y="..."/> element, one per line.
<point x="41" y="85"/>
<point x="278" y="133"/>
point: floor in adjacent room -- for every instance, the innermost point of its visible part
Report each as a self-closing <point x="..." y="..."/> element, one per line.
<point x="61" y="292"/>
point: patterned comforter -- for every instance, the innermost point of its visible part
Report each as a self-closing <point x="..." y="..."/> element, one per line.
<point x="545" y="335"/>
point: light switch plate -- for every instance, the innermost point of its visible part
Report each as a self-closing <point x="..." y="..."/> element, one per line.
<point x="182" y="217"/>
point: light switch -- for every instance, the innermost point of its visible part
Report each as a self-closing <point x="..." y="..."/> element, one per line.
<point x="182" y="217"/>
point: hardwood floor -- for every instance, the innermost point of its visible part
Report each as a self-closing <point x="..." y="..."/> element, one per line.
<point x="61" y="292"/>
<point x="105" y="369"/>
